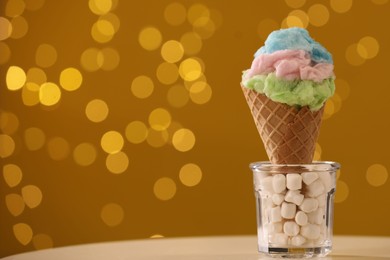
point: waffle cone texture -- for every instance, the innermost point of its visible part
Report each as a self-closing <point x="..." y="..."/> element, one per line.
<point x="289" y="134"/>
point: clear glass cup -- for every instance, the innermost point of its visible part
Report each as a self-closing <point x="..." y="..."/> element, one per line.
<point x="294" y="205"/>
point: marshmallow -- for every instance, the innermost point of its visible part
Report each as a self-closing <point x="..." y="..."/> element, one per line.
<point x="310" y="231"/>
<point x="315" y="189"/>
<point x="316" y="217"/>
<point x="279" y="183"/>
<point x="266" y="184"/>
<point x="294" y="181"/>
<point x="294" y="196"/>
<point x="301" y="218"/>
<point x="290" y="228"/>
<point x="288" y="210"/>
<point x="320" y="240"/>
<point x="257" y="177"/>
<point x="276" y="227"/>
<point x="326" y="180"/>
<point x="309" y="205"/>
<point x="278" y="238"/>
<point x="309" y="177"/>
<point x="275" y="215"/>
<point x="322" y="200"/>
<point x="298" y="240"/>
<point x="277" y="199"/>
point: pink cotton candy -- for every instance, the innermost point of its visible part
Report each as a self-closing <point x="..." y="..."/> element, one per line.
<point x="290" y="65"/>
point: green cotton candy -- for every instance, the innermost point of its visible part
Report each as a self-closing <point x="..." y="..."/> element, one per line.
<point x="292" y="92"/>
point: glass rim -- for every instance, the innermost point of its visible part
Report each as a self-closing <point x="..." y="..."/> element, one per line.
<point x="315" y="165"/>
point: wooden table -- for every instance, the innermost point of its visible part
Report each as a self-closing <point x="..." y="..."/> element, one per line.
<point x="202" y="248"/>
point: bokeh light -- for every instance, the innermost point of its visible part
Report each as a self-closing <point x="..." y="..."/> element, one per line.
<point x="175" y="14"/>
<point x="190" y="174"/>
<point x="190" y="69"/>
<point x="84" y="154"/>
<point x="23" y="233"/>
<point x="136" y="132"/>
<point x="12" y="175"/>
<point x="7" y="146"/>
<point x="15" y="204"/>
<point x="167" y="73"/>
<point x="92" y="59"/>
<point x="32" y="196"/>
<point x="15" y="78"/>
<point x="297" y="18"/>
<point x="111" y="59"/>
<point x="318" y="15"/>
<point x="368" y="47"/>
<point x="204" y="27"/>
<point x="49" y="94"/>
<point x="172" y="51"/>
<point x="30" y="94"/>
<point x="36" y="75"/>
<point x="183" y="140"/>
<point x="112" y="214"/>
<point x="117" y="163"/>
<point x="142" y="86"/>
<point x="96" y="110"/>
<point x="191" y="42"/>
<point x="341" y="6"/>
<point x="19" y="27"/>
<point x="5" y="52"/>
<point x="14" y="8"/>
<point x="42" y="241"/>
<point x="157" y="138"/>
<point x="200" y="92"/>
<point x="112" y="142"/>
<point x="70" y="79"/>
<point x="160" y="119"/>
<point x="9" y="122"/>
<point x="100" y="7"/>
<point x="112" y="19"/>
<point x="164" y="188"/>
<point x="150" y="38"/>
<point x="377" y="175"/>
<point x="58" y="148"/>
<point x="197" y="11"/>
<point x="102" y="31"/>
<point x="34" y="138"/>
<point x="343" y="89"/>
<point x="45" y="55"/>
<point x="5" y="28"/>
<point x="342" y="191"/>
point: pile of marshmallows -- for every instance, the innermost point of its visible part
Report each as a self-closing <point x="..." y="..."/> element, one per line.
<point x="293" y="207"/>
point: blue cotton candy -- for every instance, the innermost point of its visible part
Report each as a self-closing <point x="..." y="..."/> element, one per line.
<point x="295" y="39"/>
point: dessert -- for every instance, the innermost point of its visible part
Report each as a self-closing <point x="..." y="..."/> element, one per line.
<point x="286" y="87"/>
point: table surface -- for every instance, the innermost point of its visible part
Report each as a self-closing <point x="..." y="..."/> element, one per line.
<point x="202" y="248"/>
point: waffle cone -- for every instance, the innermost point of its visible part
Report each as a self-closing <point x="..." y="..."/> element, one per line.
<point x="289" y="134"/>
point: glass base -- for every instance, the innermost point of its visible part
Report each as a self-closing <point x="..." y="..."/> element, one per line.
<point x="295" y="252"/>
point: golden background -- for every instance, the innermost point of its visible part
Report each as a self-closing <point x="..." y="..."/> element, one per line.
<point x="125" y="120"/>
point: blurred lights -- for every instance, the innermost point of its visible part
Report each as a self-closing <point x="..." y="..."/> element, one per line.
<point x="23" y="233"/>
<point x="164" y="188"/>
<point x="12" y="175"/>
<point x="112" y="142"/>
<point x="96" y="110"/>
<point x="150" y="38"/>
<point x="15" y="78"/>
<point x="117" y="163"/>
